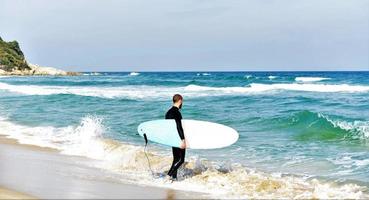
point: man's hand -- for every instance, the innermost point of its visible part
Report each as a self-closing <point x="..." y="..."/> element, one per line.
<point x="183" y="144"/>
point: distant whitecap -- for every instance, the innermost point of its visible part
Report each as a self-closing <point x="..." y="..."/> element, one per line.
<point x="134" y="73"/>
<point x="310" y="79"/>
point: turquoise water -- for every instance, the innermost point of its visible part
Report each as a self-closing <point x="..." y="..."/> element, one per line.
<point x="288" y="123"/>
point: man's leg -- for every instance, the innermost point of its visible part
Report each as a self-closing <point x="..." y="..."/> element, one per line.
<point x="181" y="155"/>
<point x="176" y="157"/>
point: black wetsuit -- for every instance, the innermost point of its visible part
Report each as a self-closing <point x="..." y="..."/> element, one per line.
<point x="178" y="153"/>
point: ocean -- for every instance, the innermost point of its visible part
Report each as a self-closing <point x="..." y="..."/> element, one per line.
<point x="302" y="134"/>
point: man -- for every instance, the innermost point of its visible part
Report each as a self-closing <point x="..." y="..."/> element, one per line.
<point x="178" y="153"/>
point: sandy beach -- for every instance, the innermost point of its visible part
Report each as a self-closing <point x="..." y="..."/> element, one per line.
<point x="28" y="172"/>
<point x="10" y="194"/>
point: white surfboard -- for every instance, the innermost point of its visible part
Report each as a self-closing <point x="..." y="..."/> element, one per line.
<point x="198" y="134"/>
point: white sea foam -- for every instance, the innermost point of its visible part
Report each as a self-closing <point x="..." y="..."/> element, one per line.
<point x="59" y="138"/>
<point x="358" y="129"/>
<point x="134" y="74"/>
<point x="203" y="74"/>
<point x="272" y="77"/>
<point x="222" y="181"/>
<point x="161" y="92"/>
<point x="310" y="79"/>
<point x="92" y="74"/>
<point x="248" y="76"/>
<point x="130" y="92"/>
<point x="256" y="87"/>
<point x="346" y="163"/>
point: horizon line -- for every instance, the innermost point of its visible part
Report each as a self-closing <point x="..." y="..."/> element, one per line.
<point x="173" y="71"/>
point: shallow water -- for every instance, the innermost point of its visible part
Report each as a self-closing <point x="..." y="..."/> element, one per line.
<point x="313" y="125"/>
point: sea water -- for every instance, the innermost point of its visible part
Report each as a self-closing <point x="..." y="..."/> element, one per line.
<point x="302" y="134"/>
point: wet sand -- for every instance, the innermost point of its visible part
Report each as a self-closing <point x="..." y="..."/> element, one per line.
<point x="36" y="172"/>
<point x="10" y="194"/>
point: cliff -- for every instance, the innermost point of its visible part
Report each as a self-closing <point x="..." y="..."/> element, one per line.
<point x="13" y="62"/>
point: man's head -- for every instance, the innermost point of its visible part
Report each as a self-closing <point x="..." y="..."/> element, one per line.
<point x="178" y="100"/>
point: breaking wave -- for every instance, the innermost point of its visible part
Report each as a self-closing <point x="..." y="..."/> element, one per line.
<point x="130" y="92"/>
<point x="203" y="74"/>
<point x="223" y="180"/>
<point x="310" y="125"/>
<point x="134" y="74"/>
<point x="256" y="87"/>
<point x="92" y="74"/>
<point x="161" y="92"/>
<point x="146" y="91"/>
<point x="310" y="79"/>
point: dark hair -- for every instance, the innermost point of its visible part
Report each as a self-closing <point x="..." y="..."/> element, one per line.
<point x="177" y="97"/>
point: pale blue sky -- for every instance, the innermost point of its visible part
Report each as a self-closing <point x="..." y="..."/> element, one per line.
<point x="196" y="35"/>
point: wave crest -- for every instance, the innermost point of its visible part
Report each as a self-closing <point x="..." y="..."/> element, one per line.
<point x="129" y="92"/>
<point x="161" y="92"/>
<point x="256" y="87"/>
<point x="310" y="79"/>
<point x="357" y="129"/>
<point x="311" y="125"/>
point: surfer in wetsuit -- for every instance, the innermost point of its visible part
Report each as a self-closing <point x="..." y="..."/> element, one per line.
<point x="178" y="153"/>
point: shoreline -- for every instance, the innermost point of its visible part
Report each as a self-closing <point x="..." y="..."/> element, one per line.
<point x="4" y="139"/>
<point x="84" y="147"/>
<point x="6" y="193"/>
<point x="62" y="169"/>
<point x="62" y="176"/>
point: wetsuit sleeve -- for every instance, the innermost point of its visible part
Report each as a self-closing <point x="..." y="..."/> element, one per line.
<point x="180" y="129"/>
<point x="178" y="120"/>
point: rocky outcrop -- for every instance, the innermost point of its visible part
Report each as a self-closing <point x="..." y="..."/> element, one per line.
<point x="12" y="57"/>
<point x="35" y="70"/>
<point x="13" y="62"/>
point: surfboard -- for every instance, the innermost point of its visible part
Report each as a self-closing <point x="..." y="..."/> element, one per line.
<point x="198" y="134"/>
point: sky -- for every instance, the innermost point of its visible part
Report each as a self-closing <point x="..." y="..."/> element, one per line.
<point x="190" y="35"/>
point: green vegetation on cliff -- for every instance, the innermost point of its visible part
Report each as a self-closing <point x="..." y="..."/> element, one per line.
<point x="12" y="57"/>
